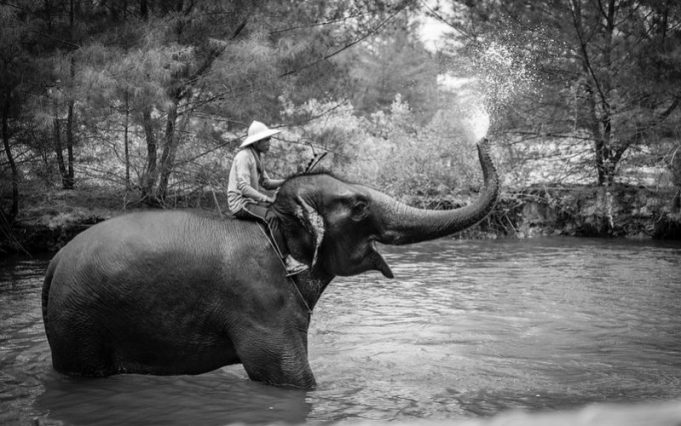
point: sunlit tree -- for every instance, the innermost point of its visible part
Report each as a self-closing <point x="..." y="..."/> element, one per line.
<point x="395" y="63"/>
<point x="605" y="71"/>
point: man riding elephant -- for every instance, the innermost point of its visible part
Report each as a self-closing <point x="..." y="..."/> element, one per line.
<point x="246" y="176"/>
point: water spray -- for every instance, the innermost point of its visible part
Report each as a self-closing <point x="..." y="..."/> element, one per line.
<point x="479" y="123"/>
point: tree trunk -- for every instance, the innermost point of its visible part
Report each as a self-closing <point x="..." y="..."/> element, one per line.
<point x="610" y="162"/>
<point x="594" y="128"/>
<point x="144" y="10"/>
<point x="48" y="15"/>
<point x="14" y="209"/>
<point x="598" y="91"/>
<point x="169" y="148"/>
<point x="45" y="155"/>
<point x="59" y="150"/>
<point x="69" y="178"/>
<point x="126" y="141"/>
<point x="149" y="177"/>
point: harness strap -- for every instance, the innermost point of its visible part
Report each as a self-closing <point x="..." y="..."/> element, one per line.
<point x="270" y="238"/>
<point x="265" y="229"/>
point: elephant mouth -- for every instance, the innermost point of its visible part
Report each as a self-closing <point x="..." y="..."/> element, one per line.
<point x="368" y="259"/>
<point x="378" y="262"/>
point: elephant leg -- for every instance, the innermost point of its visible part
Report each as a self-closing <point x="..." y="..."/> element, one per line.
<point x="81" y="351"/>
<point x="277" y="358"/>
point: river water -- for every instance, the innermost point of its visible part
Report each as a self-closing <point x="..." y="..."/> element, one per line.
<point x="467" y="329"/>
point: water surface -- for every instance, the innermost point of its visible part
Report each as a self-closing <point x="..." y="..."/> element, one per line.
<point x="467" y="329"/>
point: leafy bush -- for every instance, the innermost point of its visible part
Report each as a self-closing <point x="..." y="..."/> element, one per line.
<point x="388" y="150"/>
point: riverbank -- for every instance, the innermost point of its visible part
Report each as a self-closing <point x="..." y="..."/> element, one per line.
<point x="620" y="211"/>
<point x="49" y="219"/>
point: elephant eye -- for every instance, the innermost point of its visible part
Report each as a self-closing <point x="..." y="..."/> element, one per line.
<point x="359" y="210"/>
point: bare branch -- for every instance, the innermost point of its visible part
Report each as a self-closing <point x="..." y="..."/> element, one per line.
<point x="347" y="46"/>
<point x="434" y="14"/>
<point x="318" y="24"/>
<point x="575" y="10"/>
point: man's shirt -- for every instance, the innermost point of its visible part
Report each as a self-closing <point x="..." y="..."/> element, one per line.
<point x="246" y="177"/>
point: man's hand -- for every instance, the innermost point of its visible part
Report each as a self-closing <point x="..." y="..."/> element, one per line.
<point x="267" y="201"/>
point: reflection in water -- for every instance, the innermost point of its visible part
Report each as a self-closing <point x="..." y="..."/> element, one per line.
<point x="468" y="328"/>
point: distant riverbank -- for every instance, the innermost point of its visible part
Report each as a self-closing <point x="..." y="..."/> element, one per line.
<point x="49" y="220"/>
<point x="620" y="211"/>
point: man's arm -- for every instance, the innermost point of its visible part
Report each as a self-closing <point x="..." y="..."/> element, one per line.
<point x="268" y="183"/>
<point x="245" y="168"/>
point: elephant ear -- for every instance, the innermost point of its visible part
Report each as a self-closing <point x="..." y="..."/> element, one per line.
<point x="313" y="222"/>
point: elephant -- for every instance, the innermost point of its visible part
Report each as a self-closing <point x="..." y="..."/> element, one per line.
<point x="178" y="292"/>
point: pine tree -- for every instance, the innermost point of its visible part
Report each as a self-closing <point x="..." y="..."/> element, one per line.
<point x="18" y="76"/>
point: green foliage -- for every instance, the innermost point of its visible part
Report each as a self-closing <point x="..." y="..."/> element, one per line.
<point x="389" y="150"/>
<point x="163" y="91"/>
<point x="431" y="160"/>
<point x="395" y="63"/>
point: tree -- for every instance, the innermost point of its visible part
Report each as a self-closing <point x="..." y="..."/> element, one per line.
<point x="603" y="70"/>
<point x="395" y="63"/>
<point x="150" y="69"/>
<point x="145" y="77"/>
<point x="16" y="71"/>
<point x="62" y="23"/>
<point x="230" y="60"/>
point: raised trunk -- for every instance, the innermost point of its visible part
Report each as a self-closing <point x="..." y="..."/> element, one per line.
<point x="403" y="224"/>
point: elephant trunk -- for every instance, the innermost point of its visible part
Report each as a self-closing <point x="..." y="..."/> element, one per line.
<point x="402" y="224"/>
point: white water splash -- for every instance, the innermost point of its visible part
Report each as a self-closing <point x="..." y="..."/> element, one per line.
<point x="479" y="123"/>
<point x="469" y="106"/>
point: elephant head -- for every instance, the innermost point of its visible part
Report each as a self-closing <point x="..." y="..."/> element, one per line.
<point x="333" y="225"/>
